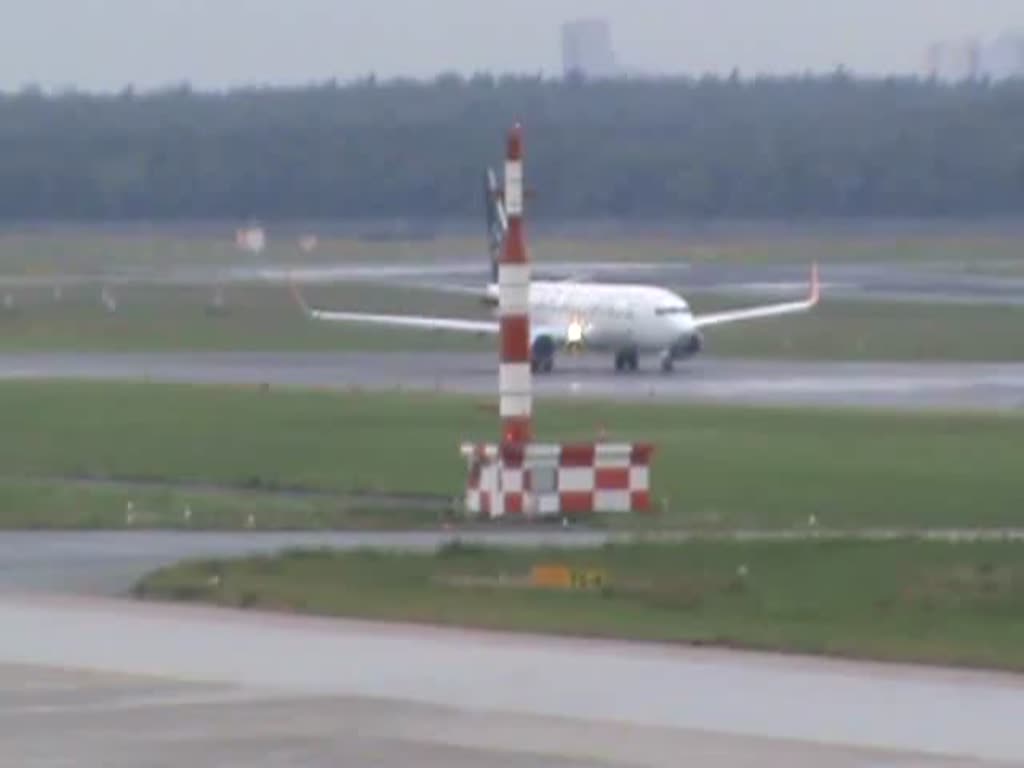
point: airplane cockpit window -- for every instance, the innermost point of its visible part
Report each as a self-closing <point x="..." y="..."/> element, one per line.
<point x="677" y="310"/>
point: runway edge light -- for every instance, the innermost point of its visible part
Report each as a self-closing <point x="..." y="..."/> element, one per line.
<point x="518" y="477"/>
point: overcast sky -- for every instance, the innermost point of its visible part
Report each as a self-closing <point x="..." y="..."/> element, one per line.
<point x="106" y="44"/>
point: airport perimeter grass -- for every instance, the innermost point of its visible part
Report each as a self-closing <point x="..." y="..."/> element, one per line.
<point x="261" y="317"/>
<point x="960" y="604"/>
<point x="254" y="318"/>
<point x="715" y="467"/>
<point x="67" y="503"/>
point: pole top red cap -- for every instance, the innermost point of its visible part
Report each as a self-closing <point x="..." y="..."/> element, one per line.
<point x="515" y="143"/>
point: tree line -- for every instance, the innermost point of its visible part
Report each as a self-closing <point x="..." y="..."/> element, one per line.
<point x="802" y="147"/>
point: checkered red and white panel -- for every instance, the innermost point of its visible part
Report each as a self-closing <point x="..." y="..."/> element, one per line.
<point x="558" y="479"/>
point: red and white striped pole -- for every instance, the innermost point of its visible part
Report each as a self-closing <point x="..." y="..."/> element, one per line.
<point x="514" y="377"/>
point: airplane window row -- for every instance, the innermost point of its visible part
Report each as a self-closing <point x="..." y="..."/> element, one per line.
<point x="594" y="310"/>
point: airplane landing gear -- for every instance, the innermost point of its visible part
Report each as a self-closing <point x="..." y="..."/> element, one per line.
<point x="667" y="362"/>
<point x="542" y="355"/>
<point x="542" y="364"/>
<point x="626" y="360"/>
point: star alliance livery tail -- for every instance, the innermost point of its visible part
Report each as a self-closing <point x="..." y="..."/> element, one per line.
<point x="497" y="221"/>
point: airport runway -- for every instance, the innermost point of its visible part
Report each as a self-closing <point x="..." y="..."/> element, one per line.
<point x="703" y="379"/>
<point x="287" y="690"/>
<point x="988" y="282"/>
<point x="893" y="281"/>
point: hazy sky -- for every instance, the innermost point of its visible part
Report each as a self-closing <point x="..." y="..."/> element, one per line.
<point x="105" y="44"/>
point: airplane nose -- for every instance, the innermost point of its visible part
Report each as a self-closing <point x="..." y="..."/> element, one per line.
<point x="683" y="325"/>
<point x="689" y="340"/>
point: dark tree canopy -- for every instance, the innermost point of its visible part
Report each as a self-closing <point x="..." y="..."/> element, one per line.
<point x="632" y="149"/>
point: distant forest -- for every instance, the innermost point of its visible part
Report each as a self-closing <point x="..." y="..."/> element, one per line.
<point x="633" y="149"/>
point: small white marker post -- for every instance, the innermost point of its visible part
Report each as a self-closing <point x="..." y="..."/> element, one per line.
<point x="108" y="300"/>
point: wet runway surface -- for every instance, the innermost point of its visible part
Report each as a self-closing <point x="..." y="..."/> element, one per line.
<point x="993" y="282"/>
<point x="988" y="281"/>
<point x="902" y="385"/>
<point x="125" y="721"/>
<point x="284" y="687"/>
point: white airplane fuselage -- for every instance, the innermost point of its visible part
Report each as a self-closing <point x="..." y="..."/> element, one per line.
<point x="612" y="317"/>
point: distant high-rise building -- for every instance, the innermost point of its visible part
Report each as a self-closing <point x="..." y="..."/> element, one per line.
<point x="587" y="49"/>
<point x="970" y="59"/>
<point x="954" y="61"/>
<point x="1004" y="58"/>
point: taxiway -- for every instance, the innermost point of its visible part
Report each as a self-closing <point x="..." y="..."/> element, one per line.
<point x="205" y="685"/>
<point x="985" y="282"/>
<point x="704" y="379"/>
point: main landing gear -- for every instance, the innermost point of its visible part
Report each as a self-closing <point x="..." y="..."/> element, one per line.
<point x="626" y="360"/>
<point x="542" y="355"/>
<point x="542" y="364"/>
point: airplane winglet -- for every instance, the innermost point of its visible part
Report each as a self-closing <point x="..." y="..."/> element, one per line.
<point x="299" y="299"/>
<point x="815" y="296"/>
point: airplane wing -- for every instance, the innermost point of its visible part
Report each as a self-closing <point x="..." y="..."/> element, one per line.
<point x="768" y="310"/>
<point x="422" y="322"/>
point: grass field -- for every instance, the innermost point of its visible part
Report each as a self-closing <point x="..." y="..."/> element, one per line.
<point x="67" y="503"/>
<point x="716" y="467"/>
<point x="255" y="317"/>
<point x="262" y="317"/>
<point x="940" y="603"/>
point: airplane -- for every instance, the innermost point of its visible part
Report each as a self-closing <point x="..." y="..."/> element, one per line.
<point x="627" y="320"/>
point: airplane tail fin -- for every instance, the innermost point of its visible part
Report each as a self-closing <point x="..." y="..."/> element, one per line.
<point x="497" y="222"/>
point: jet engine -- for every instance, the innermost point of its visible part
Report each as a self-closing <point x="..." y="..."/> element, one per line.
<point x="542" y="354"/>
<point x="688" y="347"/>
